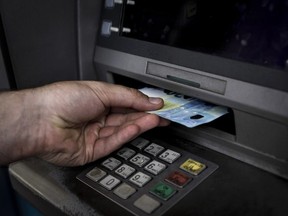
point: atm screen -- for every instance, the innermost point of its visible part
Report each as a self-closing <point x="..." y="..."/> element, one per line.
<point x="250" y="31"/>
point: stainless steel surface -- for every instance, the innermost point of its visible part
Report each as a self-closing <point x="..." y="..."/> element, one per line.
<point x="52" y="184"/>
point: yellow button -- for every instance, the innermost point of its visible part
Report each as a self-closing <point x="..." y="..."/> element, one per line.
<point x="192" y="166"/>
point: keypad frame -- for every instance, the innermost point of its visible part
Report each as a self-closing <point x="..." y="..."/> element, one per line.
<point x="165" y="205"/>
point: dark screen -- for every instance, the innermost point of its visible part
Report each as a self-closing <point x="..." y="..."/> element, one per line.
<point x="254" y="31"/>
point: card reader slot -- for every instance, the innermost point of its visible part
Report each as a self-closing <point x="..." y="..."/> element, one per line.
<point x="191" y="78"/>
<point x="183" y="81"/>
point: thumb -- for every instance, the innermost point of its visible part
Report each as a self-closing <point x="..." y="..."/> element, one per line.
<point x="120" y="96"/>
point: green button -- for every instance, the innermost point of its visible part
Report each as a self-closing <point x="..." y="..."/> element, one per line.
<point x="163" y="191"/>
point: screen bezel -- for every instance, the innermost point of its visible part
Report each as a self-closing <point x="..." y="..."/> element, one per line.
<point x="247" y="72"/>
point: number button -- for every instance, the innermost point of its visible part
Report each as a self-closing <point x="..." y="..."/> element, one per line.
<point x="140" y="179"/>
<point x="155" y="167"/>
<point x="139" y="160"/>
<point x="140" y="143"/>
<point x="125" y="171"/>
<point x="109" y="182"/>
<point x="126" y="153"/>
<point x="111" y="163"/>
<point x="169" y="156"/>
<point x="154" y="149"/>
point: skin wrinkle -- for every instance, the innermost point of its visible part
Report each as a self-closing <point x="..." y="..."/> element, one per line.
<point x="88" y="157"/>
<point x="96" y="132"/>
<point x="64" y="150"/>
<point x="99" y="98"/>
<point x="24" y="117"/>
<point x="80" y="140"/>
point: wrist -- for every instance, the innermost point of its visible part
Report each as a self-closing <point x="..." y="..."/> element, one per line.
<point x="20" y="125"/>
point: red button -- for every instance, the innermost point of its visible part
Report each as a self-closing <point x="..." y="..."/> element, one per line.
<point x="178" y="178"/>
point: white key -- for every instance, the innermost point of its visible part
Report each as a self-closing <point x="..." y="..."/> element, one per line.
<point x="139" y="160"/>
<point x="111" y="163"/>
<point x="109" y="182"/>
<point x="155" y="167"/>
<point x="154" y="149"/>
<point x="169" y="156"/>
<point x="126" y="153"/>
<point x="140" y="179"/>
<point x="125" y="171"/>
<point x="140" y="143"/>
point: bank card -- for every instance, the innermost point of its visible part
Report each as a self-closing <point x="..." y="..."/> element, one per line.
<point x="184" y="110"/>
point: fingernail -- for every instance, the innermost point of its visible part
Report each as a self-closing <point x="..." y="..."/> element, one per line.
<point x="154" y="100"/>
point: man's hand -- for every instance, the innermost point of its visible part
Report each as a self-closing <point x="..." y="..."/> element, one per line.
<point x="74" y="123"/>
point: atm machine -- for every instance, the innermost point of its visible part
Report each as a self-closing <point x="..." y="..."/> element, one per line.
<point x="229" y="53"/>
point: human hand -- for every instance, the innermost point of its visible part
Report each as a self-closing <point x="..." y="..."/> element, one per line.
<point x="83" y="121"/>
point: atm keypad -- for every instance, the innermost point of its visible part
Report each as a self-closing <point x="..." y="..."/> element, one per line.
<point x="146" y="177"/>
